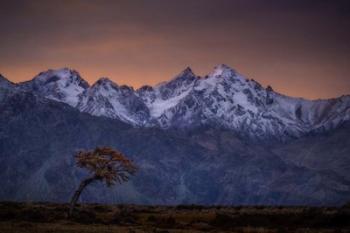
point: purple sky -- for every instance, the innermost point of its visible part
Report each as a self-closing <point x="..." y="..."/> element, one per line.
<point x="300" y="48"/>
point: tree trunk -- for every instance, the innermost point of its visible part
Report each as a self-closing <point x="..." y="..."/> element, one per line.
<point x="77" y="193"/>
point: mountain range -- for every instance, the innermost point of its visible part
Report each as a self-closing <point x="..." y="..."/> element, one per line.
<point x="218" y="139"/>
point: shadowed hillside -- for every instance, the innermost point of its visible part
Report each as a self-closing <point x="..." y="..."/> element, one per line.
<point x="38" y="138"/>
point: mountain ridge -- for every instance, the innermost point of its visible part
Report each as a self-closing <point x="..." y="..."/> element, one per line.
<point x="203" y="165"/>
<point x="148" y="85"/>
<point x="223" y="98"/>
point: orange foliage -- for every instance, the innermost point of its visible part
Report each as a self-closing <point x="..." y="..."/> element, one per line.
<point x="106" y="164"/>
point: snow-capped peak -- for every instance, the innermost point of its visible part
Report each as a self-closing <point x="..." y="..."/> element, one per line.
<point x="224" y="71"/>
<point x="223" y="98"/>
<point x="64" y="85"/>
<point x="105" y="83"/>
<point x="103" y="80"/>
<point x="167" y="95"/>
<point x="106" y="98"/>
<point x="183" y="78"/>
<point x="64" y="75"/>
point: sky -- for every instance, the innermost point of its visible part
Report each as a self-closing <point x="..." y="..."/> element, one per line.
<point x="299" y="47"/>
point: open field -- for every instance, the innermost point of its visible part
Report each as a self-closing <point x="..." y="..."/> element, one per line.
<point x="47" y="217"/>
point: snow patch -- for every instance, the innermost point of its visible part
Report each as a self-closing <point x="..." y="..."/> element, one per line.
<point x="159" y="106"/>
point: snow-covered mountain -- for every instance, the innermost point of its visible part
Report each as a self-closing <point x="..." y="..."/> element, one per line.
<point x="40" y="133"/>
<point x="224" y="99"/>
<point x="227" y="99"/>
<point x="63" y="85"/>
<point x="106" y="98"/>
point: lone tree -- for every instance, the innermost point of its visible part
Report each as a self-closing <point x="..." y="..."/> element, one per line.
<point x="105" y="165"/>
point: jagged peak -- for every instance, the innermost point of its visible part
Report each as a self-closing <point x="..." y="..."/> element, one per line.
<point x="186" y="72"/>
<point x="54" y="75"/>
<point x="61" y="72"/>
<point x="145" y="88"/>
<point x="223" y="70"/>
<point x="104" y="81"/>
<point x="186" y="75"/>
<point x="127" y="88"/>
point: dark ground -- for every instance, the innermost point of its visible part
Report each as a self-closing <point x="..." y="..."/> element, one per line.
<point x="48" y="217"/>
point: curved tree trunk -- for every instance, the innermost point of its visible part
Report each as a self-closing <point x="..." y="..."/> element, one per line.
<point x="77" y="193"/>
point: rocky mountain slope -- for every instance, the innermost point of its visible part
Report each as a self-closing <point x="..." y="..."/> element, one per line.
<point x="38" y="137"/>
<point x="209" y="161"/>
<point x="223" y="99"/>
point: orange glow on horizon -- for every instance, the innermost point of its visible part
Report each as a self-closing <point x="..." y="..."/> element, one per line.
<point x="299" y="49"/>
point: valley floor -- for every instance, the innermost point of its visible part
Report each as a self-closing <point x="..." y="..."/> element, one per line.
<point x="48" y="217"/>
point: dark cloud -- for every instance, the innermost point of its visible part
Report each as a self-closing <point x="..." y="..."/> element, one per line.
<point x="300" y="47"/>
